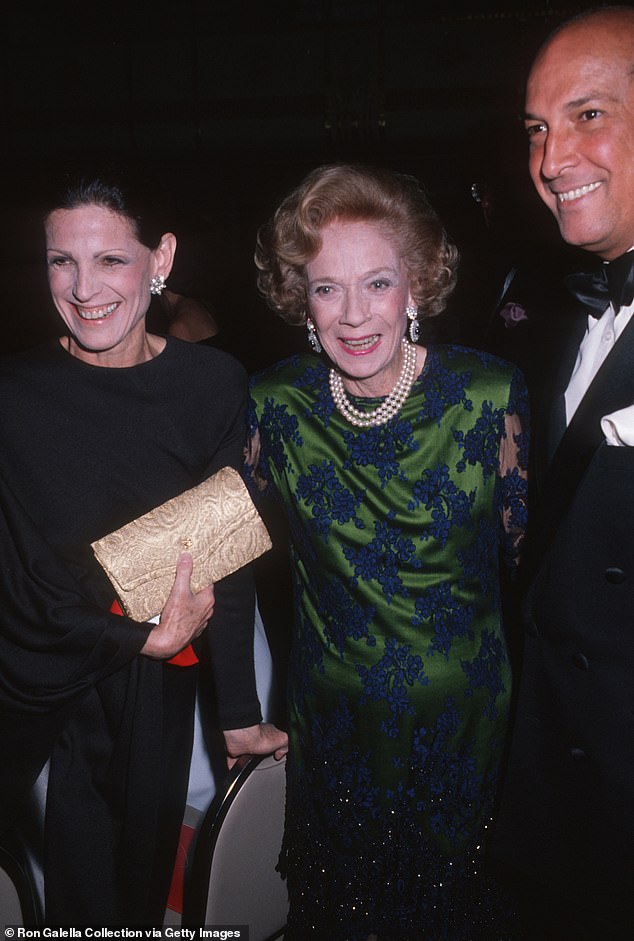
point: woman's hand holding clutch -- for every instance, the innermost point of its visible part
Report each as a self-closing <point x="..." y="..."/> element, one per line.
<point x="184" y="616"/>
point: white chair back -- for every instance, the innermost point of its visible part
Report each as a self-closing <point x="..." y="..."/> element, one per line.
<point x="233" y="878"/>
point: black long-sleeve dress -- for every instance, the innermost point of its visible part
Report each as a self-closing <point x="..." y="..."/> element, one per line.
<point x="83" y="450"/>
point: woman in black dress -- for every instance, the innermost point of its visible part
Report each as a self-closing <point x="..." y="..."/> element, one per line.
<point x="99" y="426"/>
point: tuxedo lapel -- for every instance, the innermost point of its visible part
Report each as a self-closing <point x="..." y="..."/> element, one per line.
<point x="612" y="388"/>
<point x="555" y="422"/>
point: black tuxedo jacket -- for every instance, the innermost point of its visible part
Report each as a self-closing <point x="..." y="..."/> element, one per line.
<point x="567" y="810"/>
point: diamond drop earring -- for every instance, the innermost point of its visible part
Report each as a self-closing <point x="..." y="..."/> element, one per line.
<point x="313" y="339"/>
<point x="412" y="316"/>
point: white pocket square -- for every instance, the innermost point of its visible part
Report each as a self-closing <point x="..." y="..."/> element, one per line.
<point x="618" y="427"/>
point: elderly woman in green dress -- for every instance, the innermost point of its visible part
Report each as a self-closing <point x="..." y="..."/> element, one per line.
<point x="401" y="471"/>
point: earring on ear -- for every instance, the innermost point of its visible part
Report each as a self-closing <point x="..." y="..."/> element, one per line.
<point x="313" y="339"/>
<point x="412" y="316"/>
<point x="157" y="284"/>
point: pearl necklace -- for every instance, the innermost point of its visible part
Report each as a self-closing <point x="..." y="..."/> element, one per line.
<point x="391" y="404"/>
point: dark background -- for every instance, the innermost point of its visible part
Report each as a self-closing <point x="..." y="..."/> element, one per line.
<point x="232" y="101"/>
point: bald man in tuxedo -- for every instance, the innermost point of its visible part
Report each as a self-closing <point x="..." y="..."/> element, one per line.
<point x="566" y="820"/>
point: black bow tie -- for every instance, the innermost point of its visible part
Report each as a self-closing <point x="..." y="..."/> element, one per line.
<point x="612" y="281"/>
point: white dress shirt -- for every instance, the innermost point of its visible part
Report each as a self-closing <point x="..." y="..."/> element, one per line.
<point x="599" y="338"/>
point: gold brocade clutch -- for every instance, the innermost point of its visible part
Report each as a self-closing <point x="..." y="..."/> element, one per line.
<point x="216" y="522"/>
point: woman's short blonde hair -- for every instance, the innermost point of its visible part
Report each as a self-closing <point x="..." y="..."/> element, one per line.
<point x="395" y="201"/>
